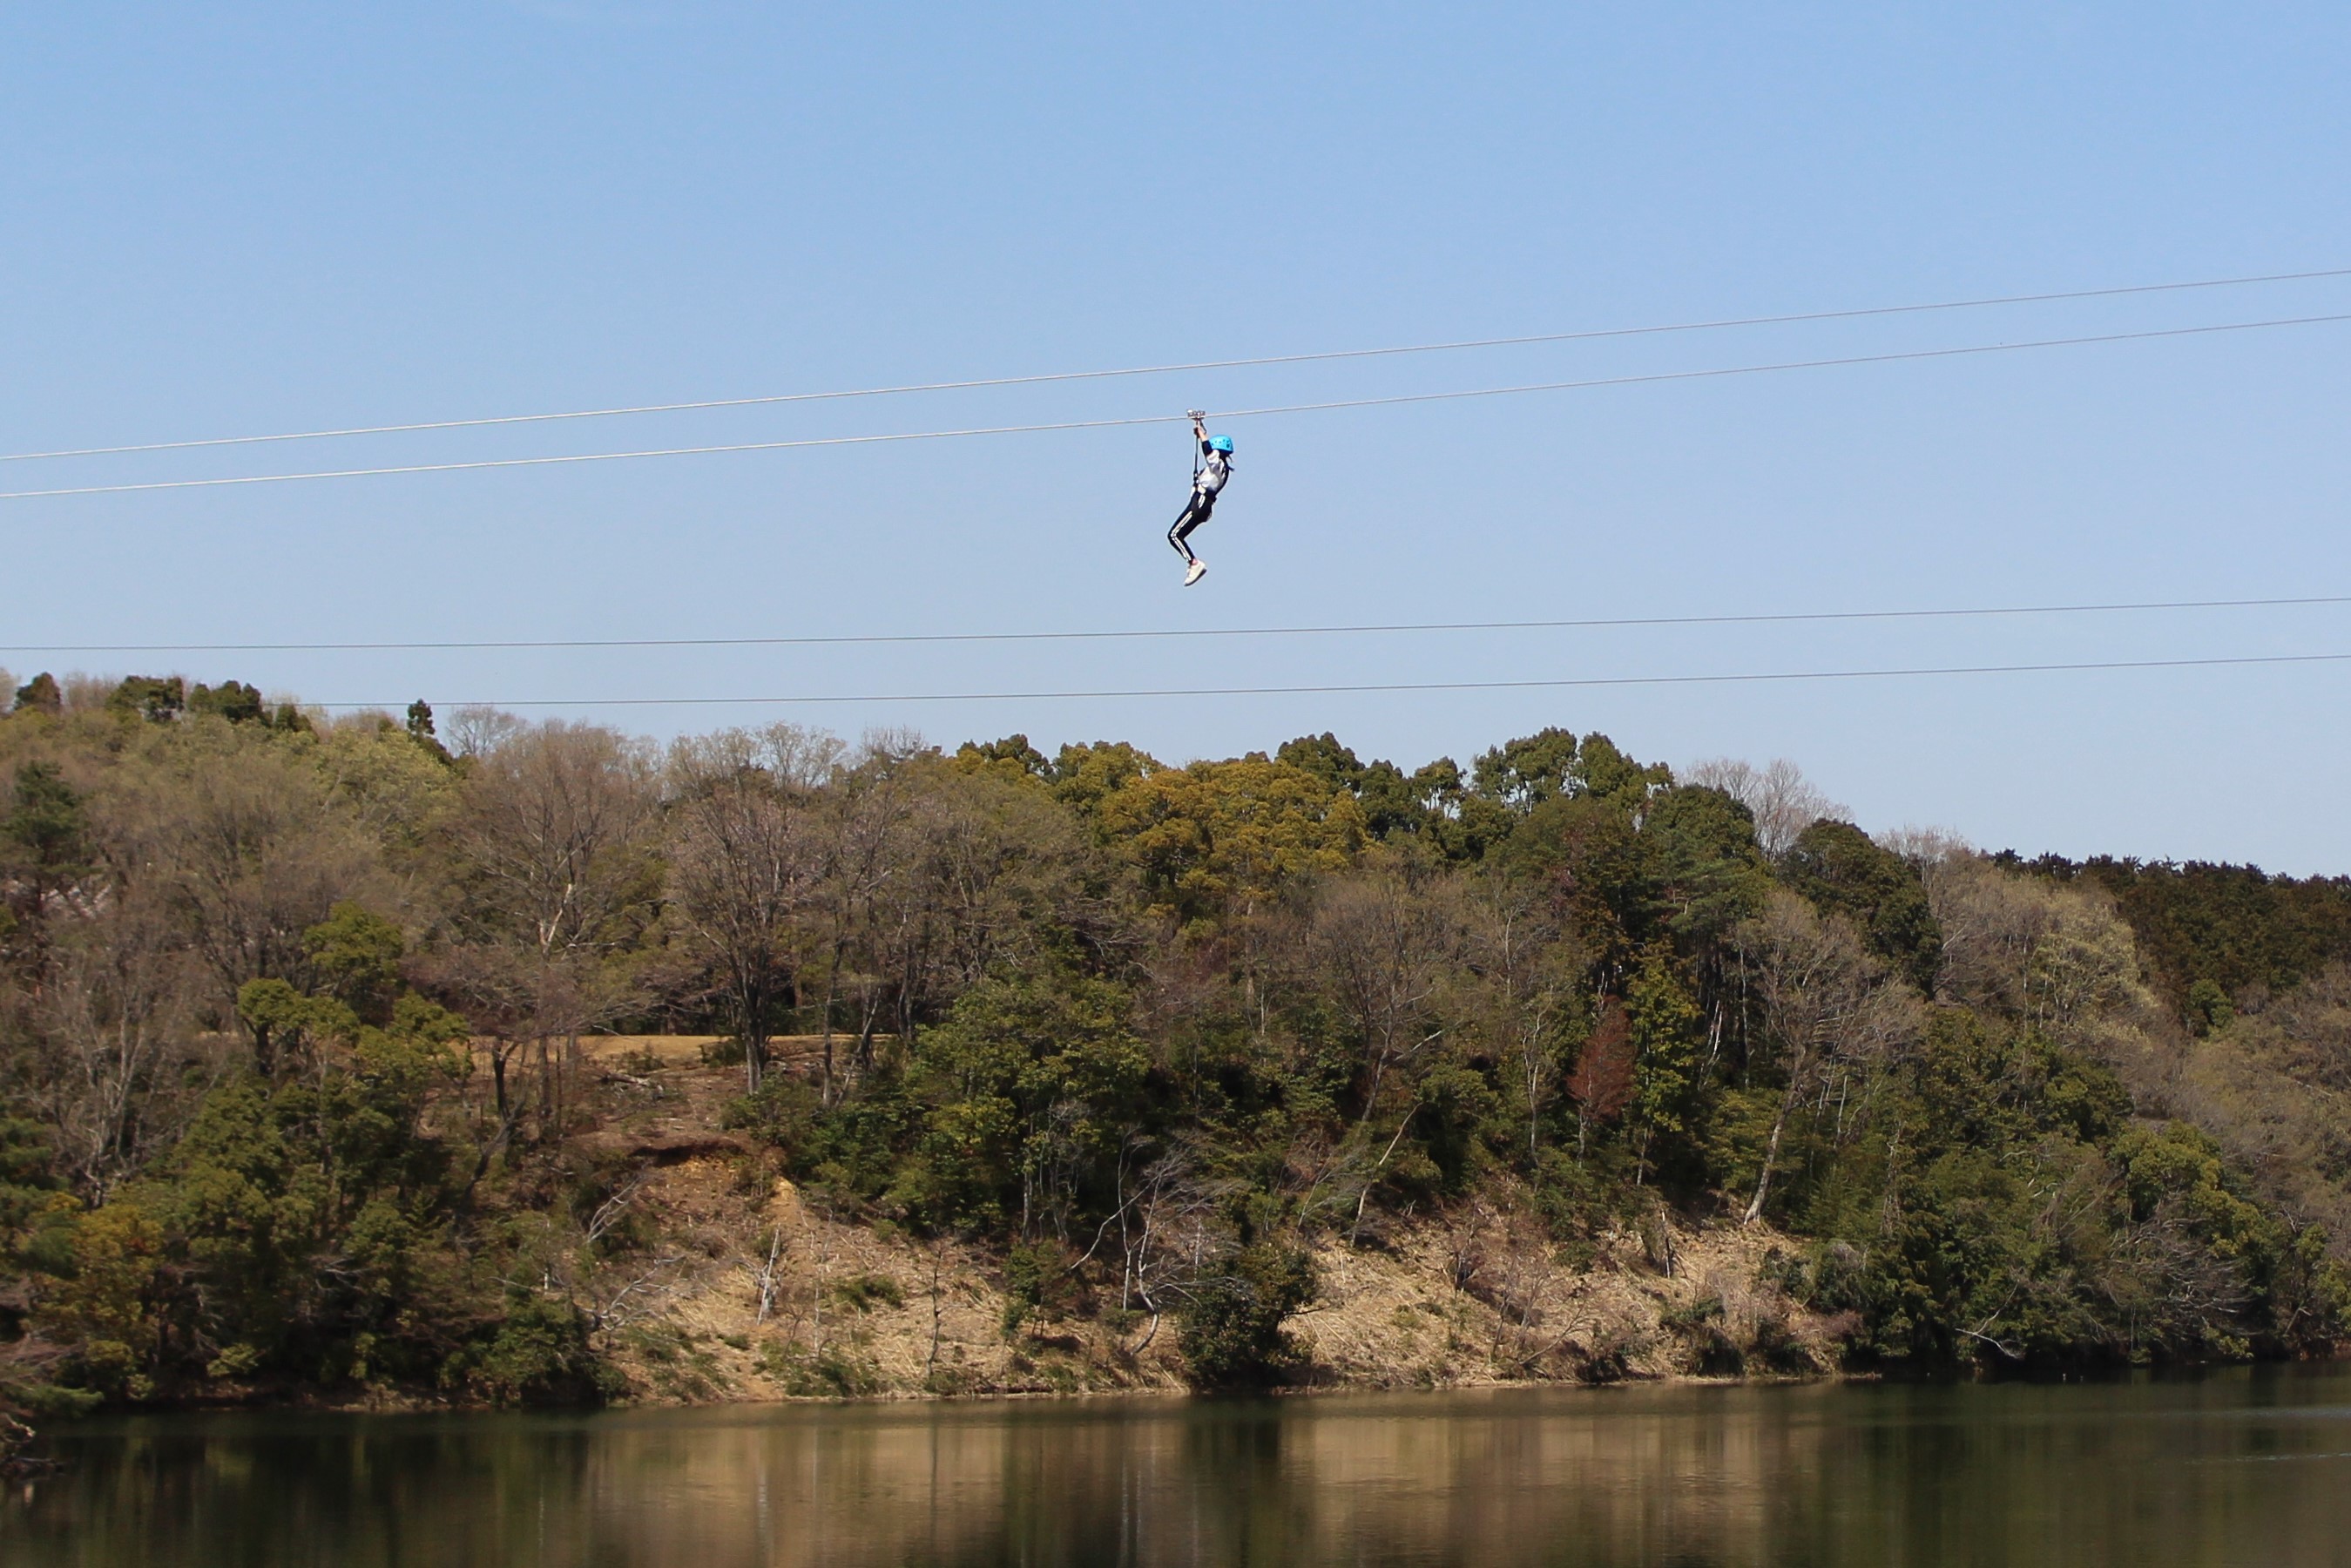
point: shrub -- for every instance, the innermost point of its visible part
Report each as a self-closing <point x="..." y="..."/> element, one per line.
<point x="538" y="1354"/>
<point x="862" y="1293"/>
<point x="1232" y="1336"/>
<point x="832" y="1371"/>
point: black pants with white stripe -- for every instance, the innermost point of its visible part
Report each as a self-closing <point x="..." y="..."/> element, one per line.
<point x="1195" y="512"/>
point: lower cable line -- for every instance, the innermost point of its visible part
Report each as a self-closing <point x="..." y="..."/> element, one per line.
<point x="1375" y="688"/>
<point x="1616" y="622"/>
<point x="1369" y="627"/>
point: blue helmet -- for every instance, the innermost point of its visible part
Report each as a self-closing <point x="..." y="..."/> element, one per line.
<point x="1223" y="443"/>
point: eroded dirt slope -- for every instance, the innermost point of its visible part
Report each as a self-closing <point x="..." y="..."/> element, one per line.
<point x="741" y="1286"/>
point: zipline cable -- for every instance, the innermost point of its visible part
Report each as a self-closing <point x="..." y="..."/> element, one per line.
<point x="1745" y="677"/>
<point x="1324" y="357"/>
<point x="1611" y="622"/>
<point x="1342" y="404"/>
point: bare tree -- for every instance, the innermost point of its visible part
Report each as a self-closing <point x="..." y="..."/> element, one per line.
<point x="869" y="900"/>
<point x="1782" y="800"/>
<point x="1380" y="946"/>
<point x="119" y="1062"/>
<point x="746" y="865"/>
<point x="558" y="876"/>
<point x="2057" y="957"/>
<point x="1002" y="864"/>
<point x="478" y="731"/>
<point x="1530" y="970"/>
<point x="247" y="844"/>
<point x="1827" y="1004"/>
<point x="1172" y="1232"/>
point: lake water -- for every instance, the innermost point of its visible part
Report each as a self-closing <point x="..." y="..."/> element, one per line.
<point x="2239" y="1467"/>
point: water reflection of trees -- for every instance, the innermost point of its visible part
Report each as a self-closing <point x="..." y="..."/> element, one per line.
<point x="1876" y="1476"/>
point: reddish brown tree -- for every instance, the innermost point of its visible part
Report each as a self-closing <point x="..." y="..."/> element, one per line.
<point x="1602" y="1084"/>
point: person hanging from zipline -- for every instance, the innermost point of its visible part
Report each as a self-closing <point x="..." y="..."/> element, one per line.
<point x="1210" y="469"/>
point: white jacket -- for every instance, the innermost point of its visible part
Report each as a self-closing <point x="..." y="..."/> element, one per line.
<point x="1215" y="469"/>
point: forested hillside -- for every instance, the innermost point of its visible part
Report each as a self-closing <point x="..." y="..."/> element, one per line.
<point x="310" y="1080"/>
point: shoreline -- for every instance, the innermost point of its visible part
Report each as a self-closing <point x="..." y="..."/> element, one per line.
<point x="2084" y="1375"/>
<point x="396" y="1405"/>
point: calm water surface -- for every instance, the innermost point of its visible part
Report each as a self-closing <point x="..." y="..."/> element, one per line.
<point x="2244" y="1467"/>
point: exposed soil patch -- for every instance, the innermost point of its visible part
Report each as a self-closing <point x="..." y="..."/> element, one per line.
<point x="745" y="1288"/>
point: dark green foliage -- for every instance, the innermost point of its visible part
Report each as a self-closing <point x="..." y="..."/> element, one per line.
<point x="1433" y="802"/>
<point x="358" y="952"/>
<point x="1011" y="755"/>
<point x="45" y="849"/>
<point x="1033" y="1273"/>
<point x="305" y="1220"/>
<point x="286" y="1024"/>
<point x="1232" y="1334"/>
<point x="2207" y="1008"/>
<point x="35" y="1220"/>
<point x="40" y="695"/>
<point x="305" y="1230"/>
<point x="420" y="730"/>
<point x="1323" y="757"/>
<point x="158" y="699"/>
<point x="1454" y="1107"/>
<point x="231" y="700"/>
<point x="1705" y="872"/>
<point x="2013" y="1213"/>
<point x="1839" y="868"/>
<point x="1394" y="804"/>
<point x="781" y="1114"/>
<point x="45" y="827"/>
<point x="1026" y="1089"/>
<point x="864" y="1293"/>
<point x="1522" y="774"/>
<point x="856" y="1148"/>
<point x="538" y="1354"/>
<point x="2235" y="926"/>
<point x="1639" y="862"/>
<point x="1667" y="1035"/>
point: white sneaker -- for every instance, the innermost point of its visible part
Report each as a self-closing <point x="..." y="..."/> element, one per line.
<point x="1198" y="570"/>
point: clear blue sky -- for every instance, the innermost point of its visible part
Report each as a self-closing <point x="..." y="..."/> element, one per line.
<point x="231" y="218"/>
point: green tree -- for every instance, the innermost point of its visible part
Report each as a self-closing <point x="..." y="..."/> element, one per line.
<point x="306" y="1221"/>
<point x="1707" y="872"/>
<point x="1232" y="1334"/>
<point x="1521" y="774"/>
<point x="1323" y="756"/>
<point x="1012" y="758"/>
<point x="46" y="849"/>
<point x="158" y="699"/>
<point x="1084" y="776"/>
<point x="1219" y="836"/>
<point x="1840" y="869"/>
<point x="1031" y="1086"/>
<point x="1666" y="1033"/>
<point x="420" y="730"/>
<point x="41" y="694"/>
<point x="231" y="700"/>
<point x="358" y="952"/>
